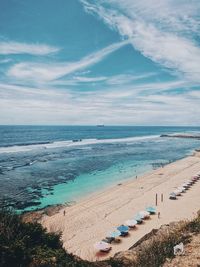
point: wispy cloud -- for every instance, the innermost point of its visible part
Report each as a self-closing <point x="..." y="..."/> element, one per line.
<point x="107" y="106"/>
<point x="83" y="79"/>
<point x="166" y="37"/>
<point x="49" y="72"/>
<point x="136" y="92"/>
<point x="117" y="80"/>
<point x="130" y="78"/>
<point x="110" y="105"/>
<point x="10" y="48"/>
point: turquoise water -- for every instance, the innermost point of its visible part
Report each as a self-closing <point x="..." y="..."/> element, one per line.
<point x="45" y="165"/>
<point x="86" y="184"/>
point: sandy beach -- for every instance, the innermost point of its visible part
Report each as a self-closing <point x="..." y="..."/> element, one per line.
<point x="89" y="220"/>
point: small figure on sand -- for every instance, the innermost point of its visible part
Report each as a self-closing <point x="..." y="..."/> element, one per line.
<point x="64" y="212"/>
<point x="159" y="215"/>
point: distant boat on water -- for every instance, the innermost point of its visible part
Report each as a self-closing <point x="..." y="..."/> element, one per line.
<point x="100" y="125"/>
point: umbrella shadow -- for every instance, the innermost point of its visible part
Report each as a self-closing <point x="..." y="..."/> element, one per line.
<point x="125" y="236"/>
<point x="132" y="229"/>
<point x="148" y="219"/>
<point x="101" y="254"/>
<point x="117" y="241"/>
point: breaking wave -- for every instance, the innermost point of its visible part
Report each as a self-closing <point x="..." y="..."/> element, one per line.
<point x="71" y="143"/>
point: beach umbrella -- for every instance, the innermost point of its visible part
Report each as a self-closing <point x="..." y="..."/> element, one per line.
<point x="192" y="181"/>
<point x="181" y="188"/>
<point x="138" y="218"/>
<point x="102" y="246"/>
<point x="123" y="228"/>
<point x="172" y="195"/>
<point x="151" y="209"/>
<point x="177" y="192"/>
<point x="185" y="185"/>
<point x="131" y="223"/>
<point x="140" y="215"/>
<point x="145" y="214"/>
<point x="194" y="178"/>
<point x="114" y="234"/>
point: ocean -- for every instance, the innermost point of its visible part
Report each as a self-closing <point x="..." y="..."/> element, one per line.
<point x="47" y="165"/>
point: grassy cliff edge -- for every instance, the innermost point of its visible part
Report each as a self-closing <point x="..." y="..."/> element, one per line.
<point x="29" y="244"/>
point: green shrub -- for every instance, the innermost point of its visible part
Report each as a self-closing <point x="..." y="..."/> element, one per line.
<point x="29" y="245"/>
<point x="154" y="250"/>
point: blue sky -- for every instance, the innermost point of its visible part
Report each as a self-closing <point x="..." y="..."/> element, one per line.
<point x="94" y="61"/>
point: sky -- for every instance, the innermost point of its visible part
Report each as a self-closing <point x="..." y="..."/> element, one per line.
<point x="88" y="62"/>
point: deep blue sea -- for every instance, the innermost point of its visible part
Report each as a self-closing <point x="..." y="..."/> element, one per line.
<point x="45" y="165"/>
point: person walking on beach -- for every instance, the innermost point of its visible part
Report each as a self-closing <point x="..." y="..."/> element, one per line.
<point x="64" y="212"/>
<point x="159" y="215"/>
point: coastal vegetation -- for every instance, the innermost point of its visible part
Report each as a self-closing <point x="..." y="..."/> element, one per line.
<point x="29" y="244"/>
<point x="156" y="248"/>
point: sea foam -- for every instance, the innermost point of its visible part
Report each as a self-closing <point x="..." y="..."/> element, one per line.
<point x="72" y="143"/>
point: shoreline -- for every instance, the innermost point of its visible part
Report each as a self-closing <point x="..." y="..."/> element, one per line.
<point x="89" y="220"/>
<point x="64" y="188"/>
<point x="55" y="208"/>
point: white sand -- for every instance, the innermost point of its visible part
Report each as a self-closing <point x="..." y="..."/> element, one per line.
<point x="92" y="218"/>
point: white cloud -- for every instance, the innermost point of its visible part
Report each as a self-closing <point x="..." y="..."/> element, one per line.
<point x="122" y="79"/>
<point x="9" y="48"/>
<point x="170" y="15"/>
<point x="118" y="80"/>
<point x="83" y="79"/>
<point x="162" y="31"/>
<point x="26" y="90"/>
<point x="109" y="105"/>
<point x="49" y="72"/>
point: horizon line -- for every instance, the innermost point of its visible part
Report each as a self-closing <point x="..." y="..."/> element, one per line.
<point x="97" y="125"/>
